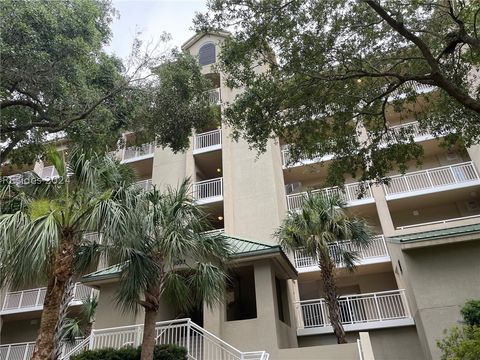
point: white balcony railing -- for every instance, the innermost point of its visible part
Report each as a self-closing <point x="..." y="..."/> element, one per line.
<point x="214" y="97"/>
<point x="49" y="172"/>
<point x="443" y="221"/>
<point x="207" y="141"/>
<point x="208" y="190"/>
<point x="424" y="181"/>
<point x="377" y="251"/>
<point x="287" y="160"/>
<point x="199" y="343"/>
<point x="371" y="308"/>
<point x="412" y="128"/>
<point x="24" y="351"/>
<point x="141" y="151"/>
<point x="18" y="351"/>
<point x="32" y="299"/>
<point x="352" y="194"/>
<point x="145" y="185"/>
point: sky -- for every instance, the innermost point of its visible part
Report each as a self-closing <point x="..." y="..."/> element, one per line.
<point x="152" y="17"/>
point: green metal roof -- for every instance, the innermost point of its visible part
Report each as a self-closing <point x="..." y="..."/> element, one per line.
<point x="238" y="248"/>
<point x="436" y="234"/>
<point x="110" y="271"/>
<point x="241" y="247"/>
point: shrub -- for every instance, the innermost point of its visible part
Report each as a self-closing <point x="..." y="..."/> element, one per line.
<point x="471" y="312"/>
<point x="161" y="352"/>
<point x="169" y="352"/>
<point x="127" y="353"/>
<point x="461" y="344"/>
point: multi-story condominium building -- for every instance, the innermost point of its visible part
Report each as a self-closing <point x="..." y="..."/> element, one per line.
<point x="408" y="286"/>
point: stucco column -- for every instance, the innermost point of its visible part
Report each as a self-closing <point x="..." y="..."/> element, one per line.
<point x="297" y="320"/>
<point x="190" y="169"/>
<point x="474" y="153"/>
<point x="213" y="318"/>
<point x="383" y="211"/>
<point x="366" y="344"/>
<point x="264" y="293"/>
<point x="168" y="168"/>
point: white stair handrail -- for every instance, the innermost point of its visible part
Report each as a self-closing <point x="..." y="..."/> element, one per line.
<point x="77" y="349"/>
<point x="199" y="342"/>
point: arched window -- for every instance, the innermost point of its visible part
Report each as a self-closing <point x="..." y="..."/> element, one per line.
<point x="206" y="54"/>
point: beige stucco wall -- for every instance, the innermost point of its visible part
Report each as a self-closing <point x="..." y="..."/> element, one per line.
<point x="109" y="314"/>
<point x="400" y="343"/>
<point x="254" y="193"/>
<point x="440" y="279"/>
<point x="327" y="352"/>
<point x="266" y="331"/>
<point x="168" y="168"/>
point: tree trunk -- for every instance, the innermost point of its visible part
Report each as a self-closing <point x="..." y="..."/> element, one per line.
<point x="57" y="285"/>
<point x="148" y="342"/>
<point x="151" y="305"/>
<point x="327" y="268"/>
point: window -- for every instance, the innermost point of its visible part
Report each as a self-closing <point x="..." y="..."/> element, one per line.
<point x="241" y="299"/>
<point x="206" y="54"/>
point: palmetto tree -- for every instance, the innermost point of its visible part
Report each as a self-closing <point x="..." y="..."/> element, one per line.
<point x="321" y="222"/>
<point x="81" y="326"/>
<point x="167" y="255"/>
<point x="43" y="233"/>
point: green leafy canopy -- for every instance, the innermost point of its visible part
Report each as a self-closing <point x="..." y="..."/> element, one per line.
<point x="59" y="81"/>
<point x="316" y="73"/>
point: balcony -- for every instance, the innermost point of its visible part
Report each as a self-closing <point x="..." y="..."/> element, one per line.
<point x="214" y="97"/>
<point x="208" y="191"/>
<point x="32" y="299"/>
<point x="24" y="351"/>
<point x="353" y="194"/>
<point x="207" y="141"/>
<point x="286" y="159"/>
<point x="413" y="129"/>
<point x="136" y="153"/>
<point x="49" y="172"/>
<point x="443" y="221"/>
<point x="432" y="180"/>
<point x="357" y="312"/>
<point x="18" y="351"/>
<point x="145" y="185"/>
<point x="377" y="252"/>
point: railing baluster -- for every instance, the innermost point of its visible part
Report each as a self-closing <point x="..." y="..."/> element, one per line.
<point x="381" y="306"/>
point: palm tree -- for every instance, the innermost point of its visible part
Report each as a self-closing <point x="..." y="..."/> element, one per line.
<point x="321" y="222"/>
<point x="81" y="326"/>
<point x="43" y="233"/>
<point x="166" y="255"/>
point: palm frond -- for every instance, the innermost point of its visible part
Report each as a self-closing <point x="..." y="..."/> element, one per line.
<point x="321" y="222"/>
<point x="71" y="330"/>
<point x="57" y="160"/>
<point x="207" y="283"/>
<point x="177" y="291"/>
<point x="89" y="308"/>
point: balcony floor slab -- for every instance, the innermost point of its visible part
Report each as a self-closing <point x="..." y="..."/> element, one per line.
<point x="432" y="190"/>
<point x="377" y="260"/>
<point x="207" y="149"/>
<point x="357" y="327"/>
